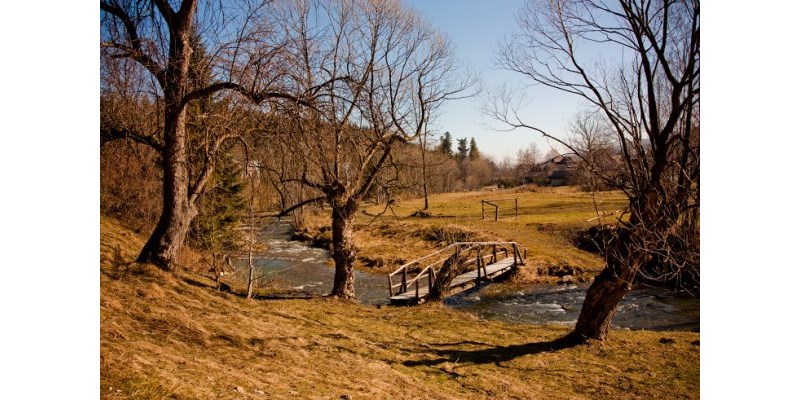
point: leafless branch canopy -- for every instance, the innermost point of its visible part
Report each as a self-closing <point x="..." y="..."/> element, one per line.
<point x="400" y="70"/>
<point x="647" y="100"/>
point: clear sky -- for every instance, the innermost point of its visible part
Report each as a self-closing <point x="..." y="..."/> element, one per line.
<point x="475" y="27"/>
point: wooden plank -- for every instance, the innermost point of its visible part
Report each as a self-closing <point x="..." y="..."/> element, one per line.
<point x="460" y="283"/>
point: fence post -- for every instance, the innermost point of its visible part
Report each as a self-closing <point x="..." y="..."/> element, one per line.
<point x="496" y="211"/>
<point x="405" y="282"/>
<point x="483" y="213"/>
<point x="516" y="208"/>
<point x="390" y="286"/>
<point x="494" y="252"/>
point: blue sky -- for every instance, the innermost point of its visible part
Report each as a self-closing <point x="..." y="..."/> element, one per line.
<point x="475" y="28"/>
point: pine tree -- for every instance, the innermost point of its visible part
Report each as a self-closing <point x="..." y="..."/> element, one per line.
<point x="446" y="146"/>
<point x="463" y="149"/>
<point x="223" y="203"/>
<point x="474" y="154"/>
<point x="220" y="209"/>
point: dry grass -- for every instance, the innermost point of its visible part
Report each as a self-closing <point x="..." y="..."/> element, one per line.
<point x="162" y="337"/>
<point x="548" y="219"/>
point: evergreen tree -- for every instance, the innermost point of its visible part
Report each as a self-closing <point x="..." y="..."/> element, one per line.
<point x="446" y="146"/>
<point x="220" y="209"/>
<point x="463" y="149"/>
<point x="223" y="203"/>
<point x="474" y="154"/>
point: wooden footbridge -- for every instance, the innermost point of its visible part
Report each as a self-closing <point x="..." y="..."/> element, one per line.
<point x="472" y="262"/>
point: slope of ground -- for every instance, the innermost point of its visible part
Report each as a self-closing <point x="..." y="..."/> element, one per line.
<point x="547" y="220"/>
<point x="163" y="337"/>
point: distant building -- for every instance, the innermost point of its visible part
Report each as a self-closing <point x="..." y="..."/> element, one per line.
<point x="557" y="171"/>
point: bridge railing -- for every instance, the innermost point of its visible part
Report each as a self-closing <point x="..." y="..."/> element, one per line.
<point x="484" y="251"/>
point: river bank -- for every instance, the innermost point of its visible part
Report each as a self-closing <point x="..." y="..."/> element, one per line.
<point x="296" y="266"/>
<point x="164" y="336"/>
<point x="546" y="222"/>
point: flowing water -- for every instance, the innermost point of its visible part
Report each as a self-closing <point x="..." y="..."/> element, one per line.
<point x="646" y="308"/>
<point x="301" y="267"/>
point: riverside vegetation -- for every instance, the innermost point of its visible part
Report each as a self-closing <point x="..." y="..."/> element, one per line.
<point x="549" y="221"/>
<point x="211" y="112"/>
<point x="175" y="336"/>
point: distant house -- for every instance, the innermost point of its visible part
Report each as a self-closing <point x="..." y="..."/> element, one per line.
<point x="557" y="171"/>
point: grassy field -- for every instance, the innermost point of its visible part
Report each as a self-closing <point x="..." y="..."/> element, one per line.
<point x="547" y="221"/>
<point x="164" y="336"/>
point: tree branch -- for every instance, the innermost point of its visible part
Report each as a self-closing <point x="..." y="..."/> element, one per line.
<point x="134" y="51"/>
<point x="300" y="204"/>
<point x="111" y="134"/>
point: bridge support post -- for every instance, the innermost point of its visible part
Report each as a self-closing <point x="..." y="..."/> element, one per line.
<point x="514" y="246"/>
<point x="478" y="264"/>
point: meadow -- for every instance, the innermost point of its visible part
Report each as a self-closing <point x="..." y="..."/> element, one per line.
<point x="174" y="336"/>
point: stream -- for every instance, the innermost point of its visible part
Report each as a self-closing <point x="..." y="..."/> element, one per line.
<point x="302" y="268"/>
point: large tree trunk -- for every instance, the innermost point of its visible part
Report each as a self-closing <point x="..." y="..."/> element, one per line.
<point x="164" y="245"/>
<point x="601" y="302"/>
<point x="165" y="242"/>
<point x="452" y="267"/>
<point x="343" y="253"/>
<point x="625" y="256"/>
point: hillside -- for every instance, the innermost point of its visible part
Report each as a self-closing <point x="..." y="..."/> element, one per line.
<point x="545" y="224"/>
<point x="169" y="336"/>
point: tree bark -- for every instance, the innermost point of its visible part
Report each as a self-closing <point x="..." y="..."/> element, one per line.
<point x="165" y="243"/>
<point x="451" y="268"/>
<point x="601" y="302"/>
<point x="625" y="256"/>
<point x="343" y="252"/>
<point x="423" y="144"/>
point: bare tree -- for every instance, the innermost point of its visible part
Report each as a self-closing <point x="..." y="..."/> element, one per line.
<point x="423" y="148"/>
<point x="651" y="102"/>
<point x="527" y="158"/>
<point x="594" y="141"/>
<point x="400" y="70"/>
<point x="155" y="38"/>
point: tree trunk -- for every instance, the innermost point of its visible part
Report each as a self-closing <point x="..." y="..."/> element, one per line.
<point x="164" y="245"/>
<point x="422" y="145"/>
<point x="251" y="239"/>
<point x="601" y="302"/>
<point x="343" y="253"/>
<point x="251" y="272"/>
<point x="451" y="268"/>
<point x="625" y="256"/>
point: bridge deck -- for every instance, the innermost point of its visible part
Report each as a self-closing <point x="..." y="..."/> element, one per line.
<point x="459" y="284"/>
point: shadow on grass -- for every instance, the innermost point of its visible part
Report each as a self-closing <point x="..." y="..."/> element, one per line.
<point x="496" y="354"/>
<point x="258" y="295"/>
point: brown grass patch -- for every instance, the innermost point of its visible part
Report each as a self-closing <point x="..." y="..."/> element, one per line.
<point x="162" y="337"/>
